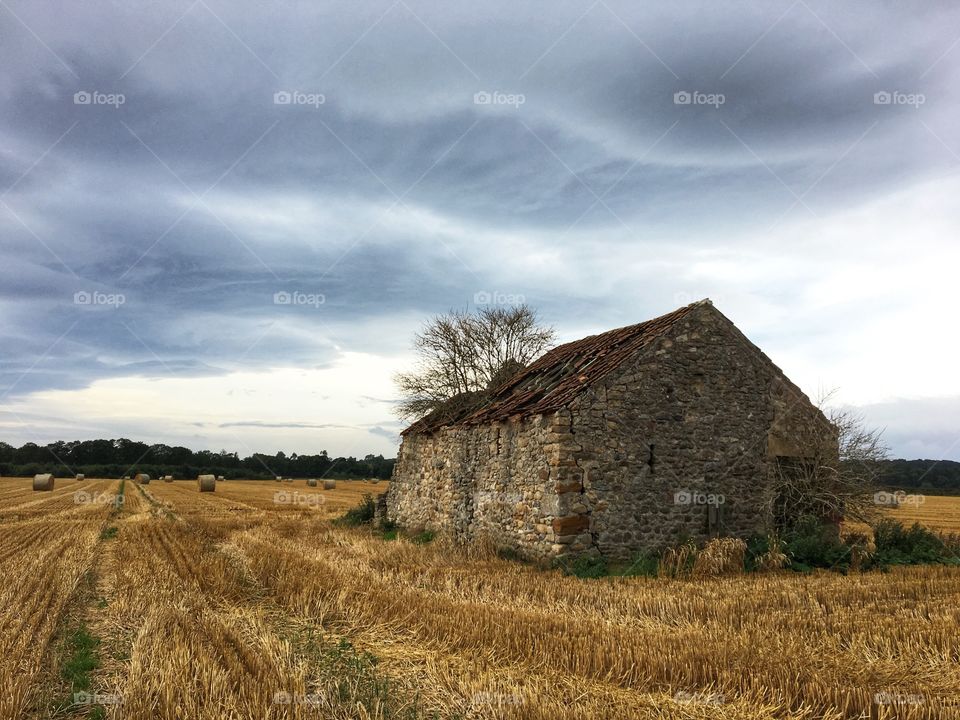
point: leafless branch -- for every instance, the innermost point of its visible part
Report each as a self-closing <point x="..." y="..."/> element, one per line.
<point x="462" y="352"/>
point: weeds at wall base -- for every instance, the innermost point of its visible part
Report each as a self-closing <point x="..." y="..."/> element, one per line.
<point x="807" y="547"/>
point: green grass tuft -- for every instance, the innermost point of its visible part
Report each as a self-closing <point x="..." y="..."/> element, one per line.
<point x="81" y="658"/>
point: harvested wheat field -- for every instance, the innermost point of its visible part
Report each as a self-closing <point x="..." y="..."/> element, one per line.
<point x="250" y="602"/>
<point x="935" y="511"/>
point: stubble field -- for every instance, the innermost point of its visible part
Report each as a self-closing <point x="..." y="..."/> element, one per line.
<point x="245" y="604"/>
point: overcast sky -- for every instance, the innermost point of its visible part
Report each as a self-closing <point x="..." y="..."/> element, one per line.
<point x="172" y="173"/>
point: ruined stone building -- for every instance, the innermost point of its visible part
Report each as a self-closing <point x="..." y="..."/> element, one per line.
<point x="636" y="438"/>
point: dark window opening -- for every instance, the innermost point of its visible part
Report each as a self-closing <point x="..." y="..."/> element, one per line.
<point x="716" y="520"/>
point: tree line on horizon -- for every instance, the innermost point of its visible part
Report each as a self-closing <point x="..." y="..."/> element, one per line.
<point x="926" y="476"/>
<point x="118" y="457"/>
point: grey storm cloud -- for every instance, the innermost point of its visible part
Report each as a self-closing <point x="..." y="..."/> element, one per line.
<point x="449" y="136"/>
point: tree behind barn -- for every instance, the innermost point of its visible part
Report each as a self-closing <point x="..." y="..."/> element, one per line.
<point x="462" y="353"/>
<point x="829" y="485"/>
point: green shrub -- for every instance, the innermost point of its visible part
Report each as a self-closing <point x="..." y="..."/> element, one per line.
<point x="585" y="567"/>
<point x="362" y="514"/>
<point x="645" y="564"/>
<point x="424" y="537"/>
<point x="897" y="545"/>
<point x="505" y="552"/>
<point x="757" y="547"/>
<point x="812" y="544"/>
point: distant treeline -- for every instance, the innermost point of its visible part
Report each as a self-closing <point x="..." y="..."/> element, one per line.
<point x="116" y="458"/>
<point x="930" y="475"/>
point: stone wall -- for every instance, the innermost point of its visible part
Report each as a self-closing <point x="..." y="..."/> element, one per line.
<point x="491" y="479"/>
<point x="678" y="444"/>
<point x="675" y="447"/>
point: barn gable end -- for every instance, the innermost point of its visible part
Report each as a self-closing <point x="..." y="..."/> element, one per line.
<point x="637" y="438"/>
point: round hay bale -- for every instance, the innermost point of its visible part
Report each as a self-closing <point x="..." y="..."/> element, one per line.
<point x="279" y="478"/>
<point x="126" y="477"/>
<point x="207" y="483"/>
<point x="329" y="484"/>
<point x="312" y="482"/>
<point x="374" y="481"/>
<point x="81" y="476"/>
<point x="142" y="478"/>
<point x="220" y="478"/>
<point x="168" y="478"/>
<point x="43" y="481"/>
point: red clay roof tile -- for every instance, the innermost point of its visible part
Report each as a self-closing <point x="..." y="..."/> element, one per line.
<point x="558" y="376"/>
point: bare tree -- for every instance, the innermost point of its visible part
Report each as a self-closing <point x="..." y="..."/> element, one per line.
<point x="462" y="353"/>
<point x="839" y="471"/>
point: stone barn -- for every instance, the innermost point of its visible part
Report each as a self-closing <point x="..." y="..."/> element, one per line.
<point x="637" y="438"/>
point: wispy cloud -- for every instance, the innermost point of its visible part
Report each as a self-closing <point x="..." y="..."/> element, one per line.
<point x="385" y="163"/>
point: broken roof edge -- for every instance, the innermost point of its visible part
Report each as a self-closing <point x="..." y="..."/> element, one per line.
<point x="620" y="343"/>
